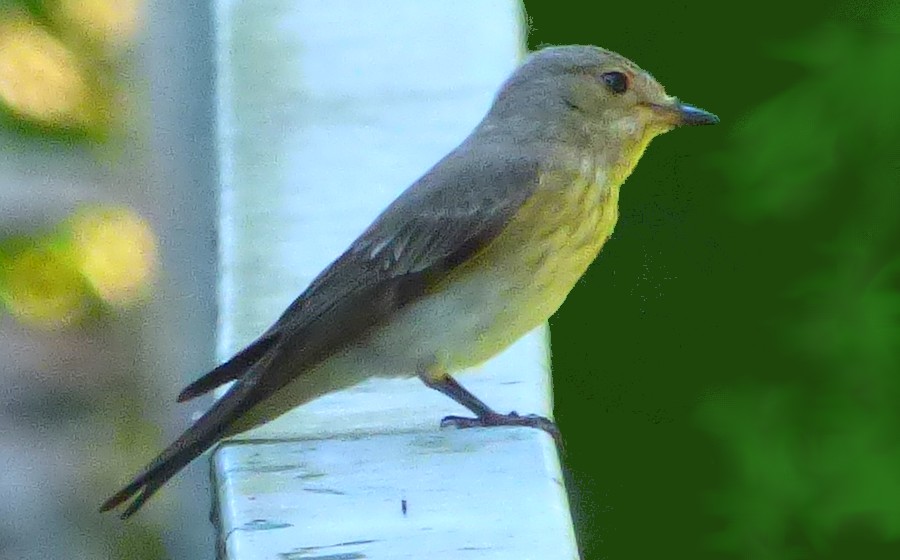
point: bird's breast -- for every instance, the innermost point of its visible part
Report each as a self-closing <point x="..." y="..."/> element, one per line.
<point x="555" y="237"/>
<point x="526" y="273"/>
<point x="510" y="287"/>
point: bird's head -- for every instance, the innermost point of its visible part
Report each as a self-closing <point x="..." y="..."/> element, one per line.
<point x="590" y="98"/>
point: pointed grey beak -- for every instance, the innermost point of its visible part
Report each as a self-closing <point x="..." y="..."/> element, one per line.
<point x="694" y="116"/>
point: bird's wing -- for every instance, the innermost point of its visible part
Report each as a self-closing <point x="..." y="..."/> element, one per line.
<point x="445" y="218"/>
<point x="440" y="222"/>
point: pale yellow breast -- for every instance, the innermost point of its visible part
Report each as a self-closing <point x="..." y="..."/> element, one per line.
<point x="539" y="257"/>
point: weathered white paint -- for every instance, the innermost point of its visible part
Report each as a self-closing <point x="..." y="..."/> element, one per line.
<point x="467" y="494"/>
<point x="327" y="111"/>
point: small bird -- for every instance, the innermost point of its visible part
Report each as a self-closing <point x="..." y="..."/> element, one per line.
<point x="476" y="253"/>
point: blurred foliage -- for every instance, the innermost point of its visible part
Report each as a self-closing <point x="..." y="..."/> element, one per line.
<point x="788" y="149"/>
<point x="812" y="456"/>
<point x="116" y="252"/>
<point x="40" y="283"/>
<point x="58" y="64"/>
<point x="60" y="70"/>
<point x="103" y="25"/>
<point x="727" y="375"/>
<point x="41" y="81"/>
<point x="102" y="255"/>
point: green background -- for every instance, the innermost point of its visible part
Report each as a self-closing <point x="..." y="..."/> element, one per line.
<point x="726" y="373"/>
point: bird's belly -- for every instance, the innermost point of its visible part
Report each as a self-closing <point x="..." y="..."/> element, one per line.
<point x="459" y="320"/>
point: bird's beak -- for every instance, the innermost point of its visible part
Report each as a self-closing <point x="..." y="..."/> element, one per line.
<point x="693" y="116"/>
<point x="682" y="114"/>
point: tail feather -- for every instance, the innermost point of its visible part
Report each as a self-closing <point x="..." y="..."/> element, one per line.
<point x="145" y="485"/>
<point x="230" y="370"/>
<point x="210" y="428"/>
<point x="188" y="447"/>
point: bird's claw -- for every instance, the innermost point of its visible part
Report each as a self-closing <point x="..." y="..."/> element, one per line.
<point x="511" y="419"/>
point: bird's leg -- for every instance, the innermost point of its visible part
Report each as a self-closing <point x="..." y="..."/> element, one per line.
<point x="485" y="416"/>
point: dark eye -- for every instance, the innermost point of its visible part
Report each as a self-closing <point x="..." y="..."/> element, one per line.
<point x="617" y="82"/>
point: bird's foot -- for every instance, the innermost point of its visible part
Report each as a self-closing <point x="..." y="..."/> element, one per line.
<point x="511" y="419"/>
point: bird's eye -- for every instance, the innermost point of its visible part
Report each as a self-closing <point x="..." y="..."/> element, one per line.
<point x="617" y="82"/>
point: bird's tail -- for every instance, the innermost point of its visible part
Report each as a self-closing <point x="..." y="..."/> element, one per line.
<point x="210" y="428"/>
<point x="157" y="473"/>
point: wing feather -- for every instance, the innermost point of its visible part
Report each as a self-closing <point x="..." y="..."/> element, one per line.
<point x="441" y="221"/>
